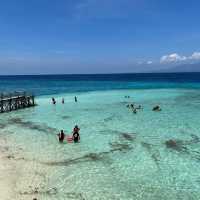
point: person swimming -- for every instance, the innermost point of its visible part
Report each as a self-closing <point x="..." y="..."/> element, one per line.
<point x="139" y="107"/>
<point x="135" y="111"/>
<point x="156" y="108"/>
<point x="76" y="136"/>
<point x="61" y="136"/>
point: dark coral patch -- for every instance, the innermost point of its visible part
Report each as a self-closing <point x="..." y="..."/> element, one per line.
<point x="177" y="145"/>
<point x="33" y="125"/>
<point x="129" y="136"/>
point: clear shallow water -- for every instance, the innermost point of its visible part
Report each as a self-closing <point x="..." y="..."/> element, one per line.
<point x="121" y="155"/>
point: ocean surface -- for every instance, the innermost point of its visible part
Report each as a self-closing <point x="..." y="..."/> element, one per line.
<point x="121" y="155"/>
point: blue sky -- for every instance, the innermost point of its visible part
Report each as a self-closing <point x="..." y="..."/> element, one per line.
<point x="97" y="36"/>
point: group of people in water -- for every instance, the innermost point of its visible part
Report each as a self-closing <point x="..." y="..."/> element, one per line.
<point x="74" y="138"/>
<point x="132" y="106"/>
<point x="135" y="108"/>
<point x="63" y="100"/>
<point x="75" y="133"/>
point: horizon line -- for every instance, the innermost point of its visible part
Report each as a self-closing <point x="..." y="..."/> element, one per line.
<point x="115" y="73"/>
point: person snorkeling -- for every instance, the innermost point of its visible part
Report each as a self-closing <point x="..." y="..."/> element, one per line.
<point x="139" y="107"/>
<point x="61" y="136"/>
<point x="156" y="108"/>
<point x="76" y="136"/>
<point x="135" y="111"/>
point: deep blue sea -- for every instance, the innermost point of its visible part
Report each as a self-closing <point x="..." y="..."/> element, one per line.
<point x="55" y="84"/>
<point x="122" y="155"/>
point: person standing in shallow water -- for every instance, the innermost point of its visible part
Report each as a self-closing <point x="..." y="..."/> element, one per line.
<point x="63" y="100"/>
<point x="53" y="100"/>
<point x="61" y="136"/>
<point x="75" y="99"/>
<point x="76" y="136"/>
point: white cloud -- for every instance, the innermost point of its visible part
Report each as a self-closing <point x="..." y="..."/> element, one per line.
<point x="149" y="62"/>
<point x="195" y="56"/>
<point x="172" y="58"/>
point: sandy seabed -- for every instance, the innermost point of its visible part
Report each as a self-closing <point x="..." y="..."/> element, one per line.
<point x="8" y="173"/>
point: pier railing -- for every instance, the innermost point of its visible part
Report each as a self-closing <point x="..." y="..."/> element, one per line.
<point x="16" y="100"/>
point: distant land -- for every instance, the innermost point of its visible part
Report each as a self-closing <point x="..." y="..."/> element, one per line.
<point x="195" y="67"/>
<point x="167" y="68"/>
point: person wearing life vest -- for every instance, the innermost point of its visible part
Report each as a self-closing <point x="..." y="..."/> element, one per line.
<point x="76" y="136"/>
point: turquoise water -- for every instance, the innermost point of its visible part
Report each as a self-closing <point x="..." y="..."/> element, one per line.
<point x="121" y="155"/>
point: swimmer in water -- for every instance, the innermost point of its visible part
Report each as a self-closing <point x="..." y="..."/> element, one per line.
<point x="139" y="107"/>
<point x="135" y="111"/>
<point x="156" y="108"/>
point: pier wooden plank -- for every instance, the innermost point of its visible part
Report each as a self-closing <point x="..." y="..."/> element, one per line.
<point x="16" y="100"/>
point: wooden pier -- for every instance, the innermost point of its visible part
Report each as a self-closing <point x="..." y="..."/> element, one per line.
<point x="15" y="101"/>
